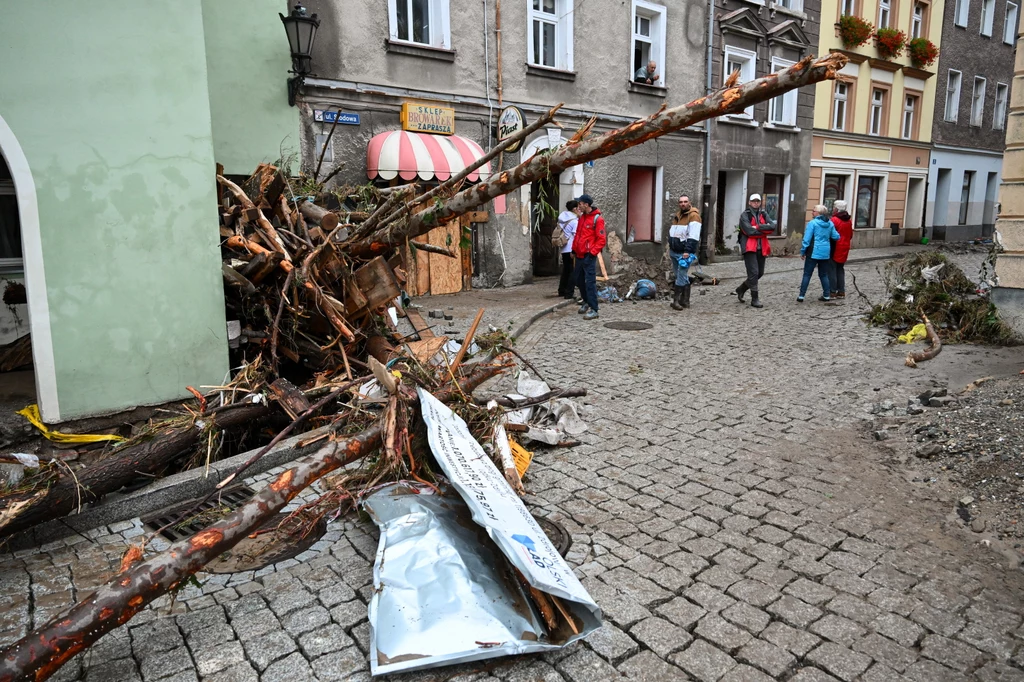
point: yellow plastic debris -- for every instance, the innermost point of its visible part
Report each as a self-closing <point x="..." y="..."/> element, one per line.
<point x="521" y="456"/>
<point x="917" y="333"/>
<point x="31" y="413"/>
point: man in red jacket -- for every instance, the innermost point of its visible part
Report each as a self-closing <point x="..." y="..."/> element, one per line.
<point x="589" y="240"/>
<point x="754" y="227"/>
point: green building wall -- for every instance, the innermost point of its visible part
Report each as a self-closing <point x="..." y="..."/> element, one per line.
<point x="111" y="106"/>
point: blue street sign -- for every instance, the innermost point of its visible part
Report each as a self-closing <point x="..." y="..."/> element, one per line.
<point x="343" y="118"/>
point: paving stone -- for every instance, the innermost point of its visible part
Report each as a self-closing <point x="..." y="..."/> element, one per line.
<point x="988" y="640"/>
<point x="721" y="633"/>
<point x="930" y="671"/>
<point x="660" y="636"/>
<point x="794" y="612"/>
<point x="838" y="629"/>
<point x="904" y="632"/>
<point x="681" y="612"/>
<point x="324" y="640"/>
<point x="812" y="675"/>
<point x="210" y="637"/>
<point x="891" y="600"/>
<point x="949" y="652"/>
<point x="708" y="597"/>
<point x="886" y="651"/>
<point x="809" y="591"/>
<point x="744" y="673"/>
<point x="540" y="671"/>
<point x="641" y="589"/>
<point x="121" y="670"/>
<point x="262" y="651"/>
<point x="939" y="622"/>
<point x="767" y="657"/>
<point x="339" y="665"/>
<point x="996" y="671"/>
<point x="797" y="642"/>
<point x="719" y="577"/>
<point x="703" y="661"/>
<point x="294" y="668"/>
<point x="644" y="667"/>
<point x="165" y="663"/>
<point x="749" y="618"/>
<point x="754" y="592"/>
<point x="348" y="614"/>
<point x="586" y="666"/>
<point x="848" y="582"/>
<point x="306" y="619"/>
<point x="254" y="624"/>
<point x="209" y="661"/>
<point x="612" y="643"/>
<point x="839" y="661"/>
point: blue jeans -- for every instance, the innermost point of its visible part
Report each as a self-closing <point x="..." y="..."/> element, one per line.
<point x="682" y="274"/>
<point x="823" y="268"/>
<point x="586" y="279"/>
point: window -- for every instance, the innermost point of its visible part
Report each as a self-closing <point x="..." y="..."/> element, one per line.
<point x="794" y="5"/>
<point x="877" y="111"/>
<point x="774" y="195"/>
<point x="1010" y="24"/>
<point x="840" y="99"/>
<point x="978" y="101"/>
<point x="884" y="10"/>
<point x="999" y="116"/>
<point x="952" y="96"/>
<point x="917" y="21"/>
<point x="988" y="12"/>
<point x="549" y="43"/>
<point x="833" y="188"/>
<point x="10" y="226"/>
<point x="909" y="109"/>
<point x="848" y="7"/>
<point x="867" y="201"/>
<point x="424" y="22"/>
<point x="965" y="197"/>
<point x="648" y="39"/>
<point x="962" y="9"/>
<point x="782" y="109"/>
<point x="744" y="61"/>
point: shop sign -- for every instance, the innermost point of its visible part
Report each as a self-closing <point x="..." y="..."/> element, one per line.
<point x="342" y="117"/>
<point x="424" y="118"/>
<point x="510" y="121"/>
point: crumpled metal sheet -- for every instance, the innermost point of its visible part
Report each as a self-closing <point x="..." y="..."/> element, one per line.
<point x="443" y="593"/>
<point x="549" y="421"/>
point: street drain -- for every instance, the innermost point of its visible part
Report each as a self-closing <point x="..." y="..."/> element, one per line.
<point x="278" y="539"/>
<point x="559" y="537"/>
<point x="628" y="326"/>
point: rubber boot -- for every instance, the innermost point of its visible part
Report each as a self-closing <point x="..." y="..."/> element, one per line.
<point x="740" y="290"/>
<point x="676" y="298"/>
<point x="755" y="302"/>
<point x="686" y="296"/>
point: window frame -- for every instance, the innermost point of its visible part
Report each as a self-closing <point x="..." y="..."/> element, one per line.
<point x="883" y="122"/>
<point x="920" y="22"/>
<point x="783" y="205"/>
<point x="887" y="6"/>
<point x="988" y="17"/>
<point x="789" y="101"/>
<point x="798" y="5"/>
<point x="962" y="13"/>
<point x="750" y="58"/>
<point x="853" y="8"/>
<point x="563" y="34"/>
<point x="1010" y="25"/>
<point x="959" y="91"/>
<point x="964" y="209"/>
<point x="978" y="120"/>
<point x="658" y="14"/>
<point x="439" y="12"/>
<point x="999" y="117"/>
<point x="847" y="106"/>
<point x="915" y="115"/>
<point x="11" y="265"/>
<point x="879" y="208"/>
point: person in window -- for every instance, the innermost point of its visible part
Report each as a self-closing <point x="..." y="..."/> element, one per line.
<point x="844" y="226"/>
<point x="754" y="228"/>
<point x="815" y="251"/>
<point x="646" y="74"/>
<point x="590" y="238"/>
<point x="567" y="224"/>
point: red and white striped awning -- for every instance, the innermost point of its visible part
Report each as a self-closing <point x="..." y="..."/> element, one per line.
<point x="411" y="155"/>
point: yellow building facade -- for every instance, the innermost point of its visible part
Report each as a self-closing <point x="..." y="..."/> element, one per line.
<point x="872" y="125"/>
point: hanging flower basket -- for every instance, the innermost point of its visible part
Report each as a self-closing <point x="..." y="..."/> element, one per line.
<point x="854" y="31"/>
<point x="922" y="52"/>
<point x="890" y="42"/>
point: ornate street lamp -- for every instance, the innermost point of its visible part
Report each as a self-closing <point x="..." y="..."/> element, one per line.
<point x="301" y="30"/>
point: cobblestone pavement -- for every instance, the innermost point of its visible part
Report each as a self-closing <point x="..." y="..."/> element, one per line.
<point x="726" y="511"/>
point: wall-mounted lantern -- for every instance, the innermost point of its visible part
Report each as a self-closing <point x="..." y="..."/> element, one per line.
<point x="301" y="30"/>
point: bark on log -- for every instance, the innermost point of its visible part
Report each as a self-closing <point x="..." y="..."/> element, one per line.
<point x="319" y="215"/>
<point x="42" y="652"/>
<point x="108" y="475"/>
<point x="725" y="101"/>
<point x="933" y="349"/>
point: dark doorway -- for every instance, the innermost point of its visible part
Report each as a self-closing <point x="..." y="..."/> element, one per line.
<point x="544" y="211"/>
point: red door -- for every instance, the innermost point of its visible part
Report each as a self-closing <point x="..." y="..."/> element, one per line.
<point x="640" y="205"/>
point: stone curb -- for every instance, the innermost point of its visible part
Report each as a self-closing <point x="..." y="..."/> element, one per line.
<point x="186" y="485"/>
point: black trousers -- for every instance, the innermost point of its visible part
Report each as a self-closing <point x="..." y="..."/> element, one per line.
<point x="754" y="261"/>
<point x="566" y="284"/>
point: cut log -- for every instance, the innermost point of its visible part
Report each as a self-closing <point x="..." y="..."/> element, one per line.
<point x="319" y="215"/>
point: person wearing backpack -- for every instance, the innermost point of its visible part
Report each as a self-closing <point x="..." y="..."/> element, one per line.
<point x="561" y="238"/>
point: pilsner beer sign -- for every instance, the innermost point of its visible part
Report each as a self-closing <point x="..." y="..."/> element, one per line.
<point x="424" y="118"/>
<point x="510" y="121"/>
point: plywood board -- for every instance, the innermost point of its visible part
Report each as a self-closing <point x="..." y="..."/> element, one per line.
<point x="445" y="272"/>
<point x="467" y="253"/>
<point x="421" y="269"/>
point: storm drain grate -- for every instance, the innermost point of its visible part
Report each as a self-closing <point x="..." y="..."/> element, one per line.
<point x="179" y="527"/>
<point x="625" y="325"/>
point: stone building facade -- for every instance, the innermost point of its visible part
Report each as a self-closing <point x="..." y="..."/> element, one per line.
<point x="767" y="149"/>
<point x="873" y="124"/>
<point x="975" y="70"/>
<point x="372" y="56"/>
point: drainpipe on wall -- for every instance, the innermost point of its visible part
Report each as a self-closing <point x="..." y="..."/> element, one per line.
<point x="497" y="46"/>
<point x="705" y="239"/>
<point x="487" y="79"/>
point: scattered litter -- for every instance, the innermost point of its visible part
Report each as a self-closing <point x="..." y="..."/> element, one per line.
<point x="31" y="413"/>
<point x="916" y="334"/>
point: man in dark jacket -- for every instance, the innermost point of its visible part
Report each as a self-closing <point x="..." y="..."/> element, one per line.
<point x="586" y="245"/>
<point x="755" y="226"/>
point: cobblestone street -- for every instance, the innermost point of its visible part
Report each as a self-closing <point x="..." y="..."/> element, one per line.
<point x="728" y="514"/>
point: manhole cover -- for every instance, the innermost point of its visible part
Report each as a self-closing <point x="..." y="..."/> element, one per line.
<point x="628" y="326"/>
<point x="559" y="537"/>
<point x="270" y="545"/>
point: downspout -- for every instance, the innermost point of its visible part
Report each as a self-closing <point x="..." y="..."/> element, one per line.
<point x="497" y="46"/>
<point x="487" y="80"/>
<point x="708" y="240"/>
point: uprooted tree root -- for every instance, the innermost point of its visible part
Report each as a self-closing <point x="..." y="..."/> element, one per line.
<point x="958" y="312"/>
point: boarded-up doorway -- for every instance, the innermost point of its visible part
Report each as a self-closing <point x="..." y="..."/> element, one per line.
<point x="435" y="273"/>
<point x="640" y="204"/>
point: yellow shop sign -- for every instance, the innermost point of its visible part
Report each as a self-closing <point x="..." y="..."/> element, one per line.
<point x="424" y="118"/>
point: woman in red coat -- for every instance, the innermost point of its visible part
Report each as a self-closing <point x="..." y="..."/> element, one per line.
<point x="841" y="251"/>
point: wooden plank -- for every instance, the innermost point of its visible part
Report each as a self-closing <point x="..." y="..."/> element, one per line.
<point x="467" y="253"/>
<point x="290" y="398"/>
<point x="445" y="273"/>
<point x="422" y="269"/>
<point x="373" y="285"/>
<point x="424" y="349"/>
<point x="604" y="272"/>
<point x="419" y="324"/>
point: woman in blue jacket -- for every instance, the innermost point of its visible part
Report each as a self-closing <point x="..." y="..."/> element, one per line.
<point x="816" y="250"/>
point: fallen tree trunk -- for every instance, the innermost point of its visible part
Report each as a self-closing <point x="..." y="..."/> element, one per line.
<point x="94" y="481"/>
<point x="42" y="652"/>
<point x="319" y="215"/>
<point x="728" y="100"/>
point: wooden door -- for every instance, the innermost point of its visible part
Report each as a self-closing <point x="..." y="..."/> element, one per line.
<point x="640" y="204"/>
